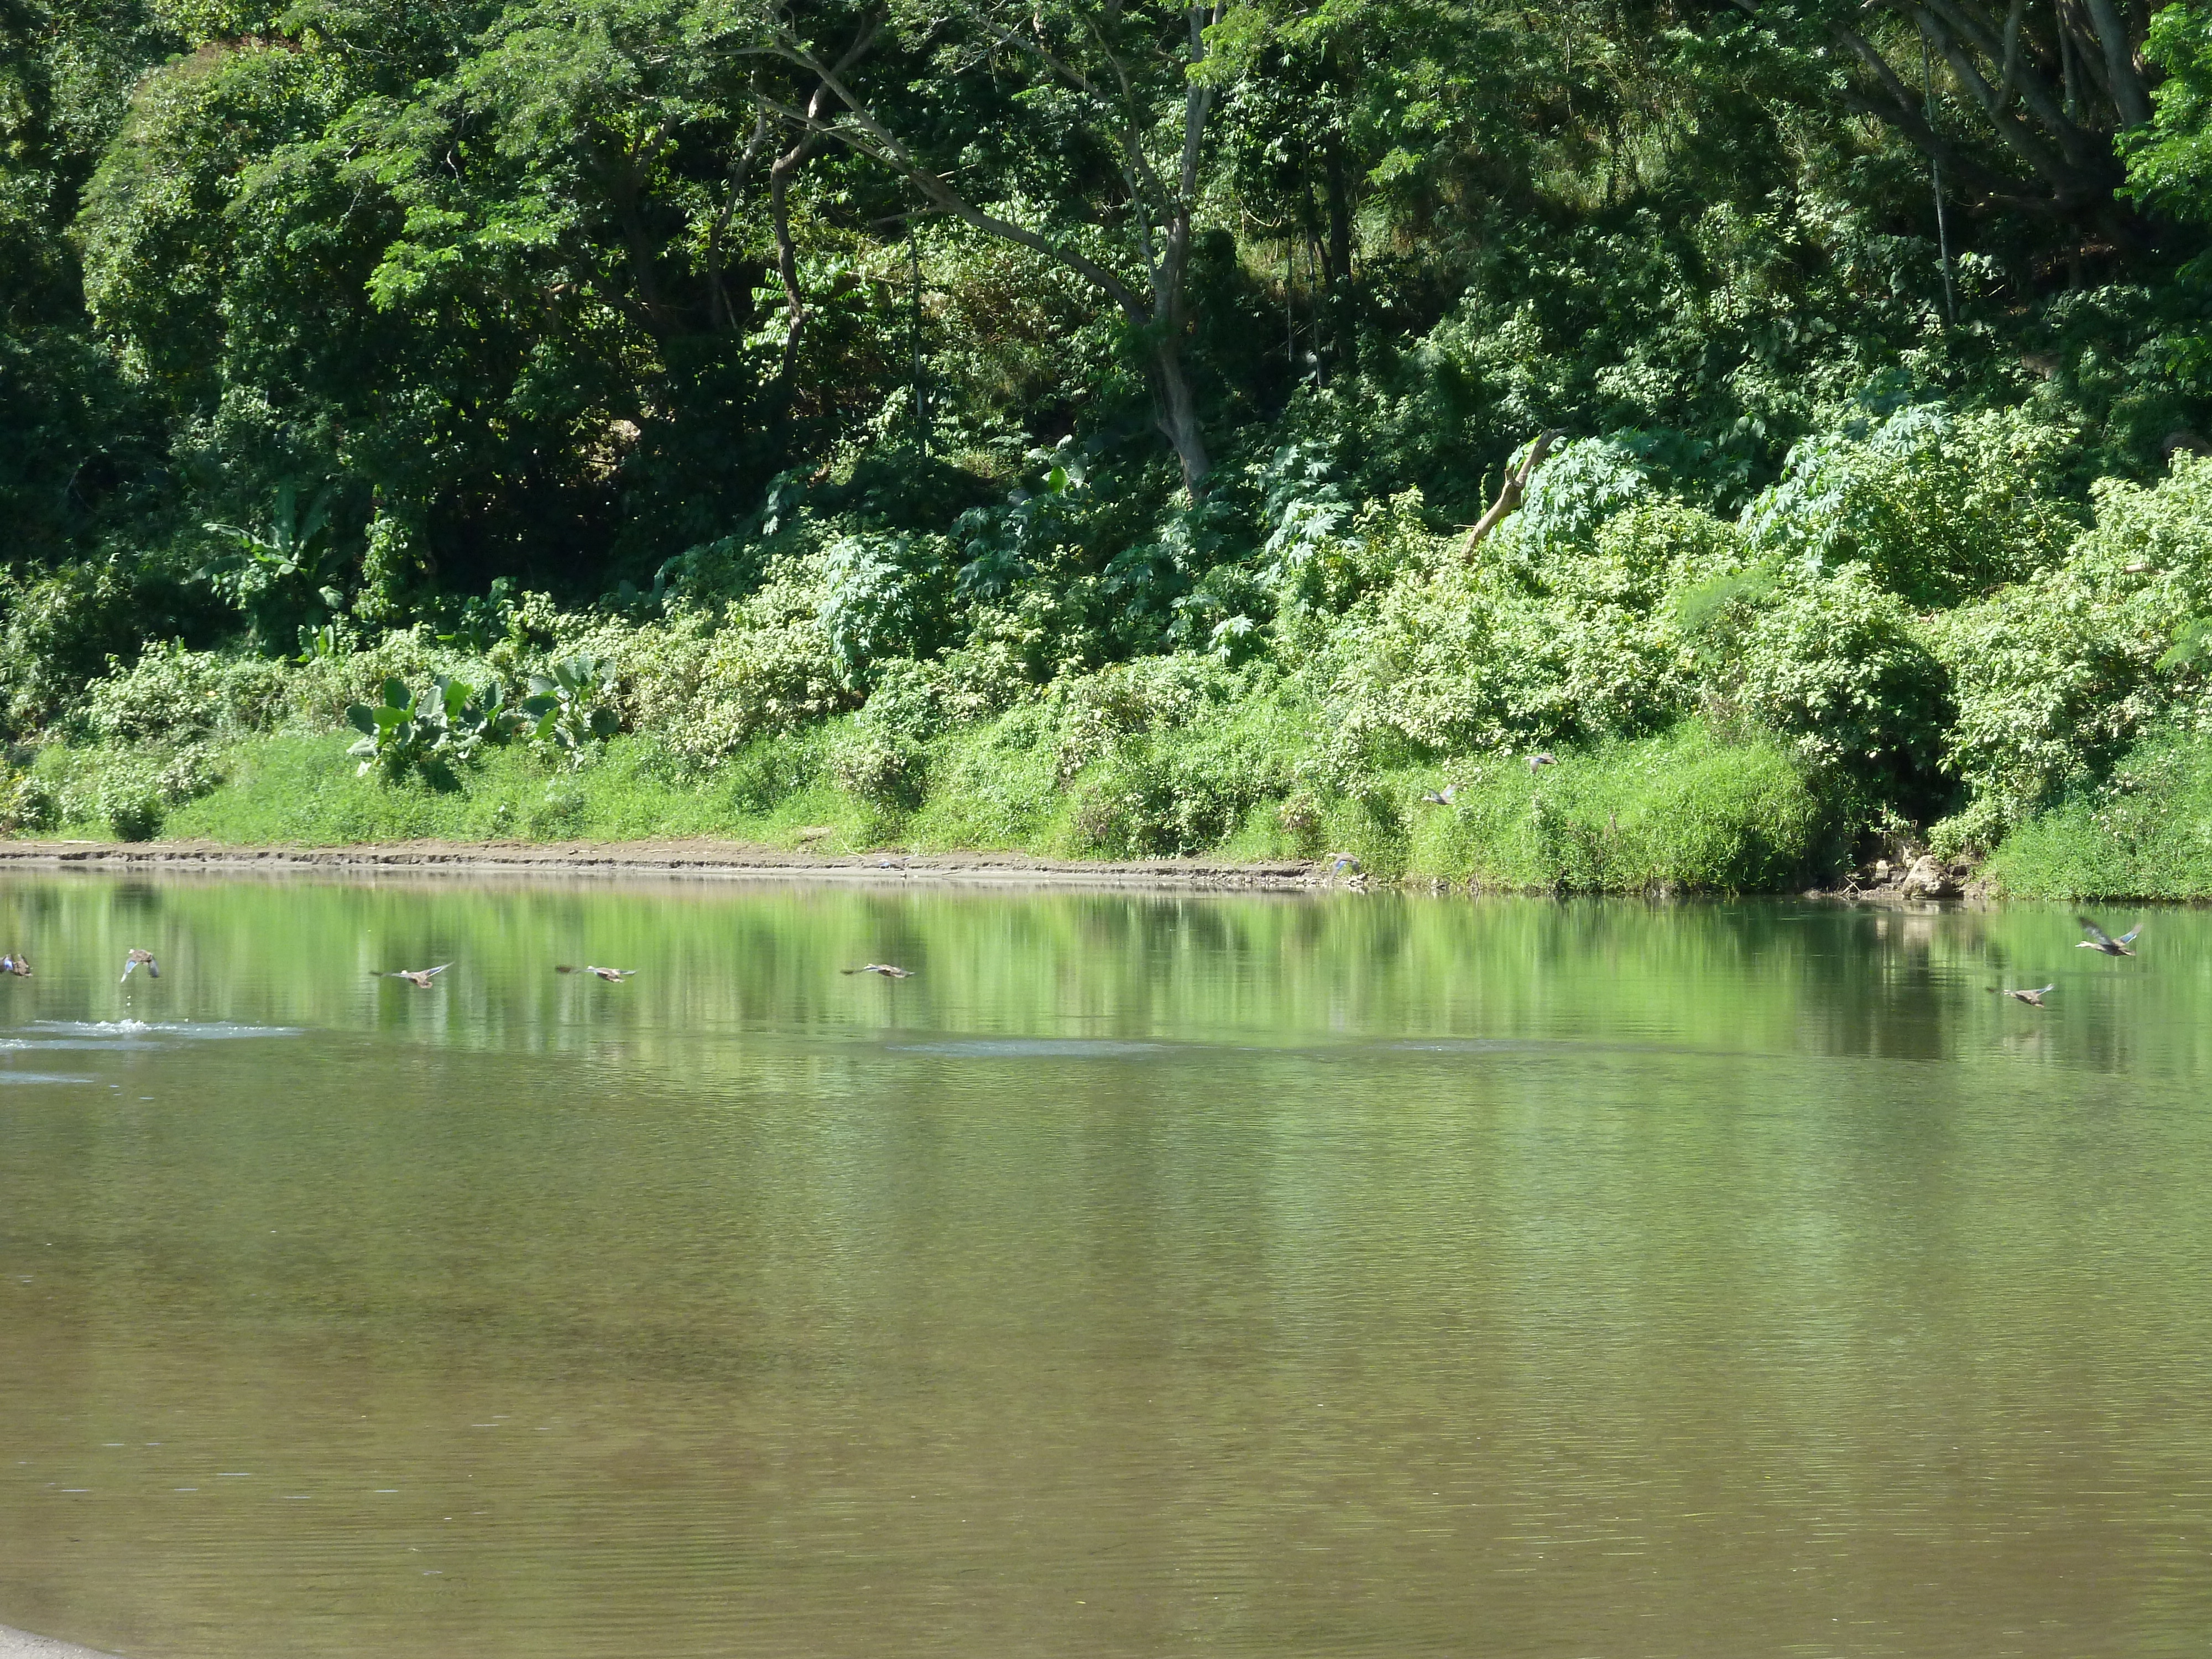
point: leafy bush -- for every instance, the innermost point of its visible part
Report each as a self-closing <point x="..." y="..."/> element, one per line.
<point x="909" y="700"/>
<point x="65" y="627"/>
<point x="2143" y="831"/>
<point x="1583" y="643"/>
<point x="1938" y="508"/>
<point x="1152" y="695"/>
<point x="2055" y="675"/>
<point x="131" y="805"/>
<point x="1689" y="810"/>
<point x="432" y="733"/>
<point x="1582" y="484"/>
<point x="884" y="770"/>
<point x="883" y="595"/>
<point x="28" y="802"/>
<point x="173" y="694"/>
<point x="1838" y="664"/>
<point x="282" y="579"/>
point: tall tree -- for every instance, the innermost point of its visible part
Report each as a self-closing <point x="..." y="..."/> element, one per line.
<point x="1116" y="77"/>
<point x="2032" y="94"/>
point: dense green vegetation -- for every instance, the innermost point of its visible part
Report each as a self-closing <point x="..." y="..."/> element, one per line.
<point x="1061" y="428"/>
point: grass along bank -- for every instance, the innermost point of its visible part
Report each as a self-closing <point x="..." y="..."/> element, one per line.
<point x="1680" y="812"/>
<point x="2142" y="832"/>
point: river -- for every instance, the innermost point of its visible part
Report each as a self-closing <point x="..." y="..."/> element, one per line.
<point x="1257" y="1275"/>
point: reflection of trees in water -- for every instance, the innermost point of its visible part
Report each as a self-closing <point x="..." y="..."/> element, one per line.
<point x="722" y="961"/>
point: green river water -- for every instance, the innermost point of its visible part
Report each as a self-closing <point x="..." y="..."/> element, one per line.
<point x="1148" y="1274"/>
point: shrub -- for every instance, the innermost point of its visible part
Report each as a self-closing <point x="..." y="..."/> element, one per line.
<point x="879" y="768"/>
<point x="29" y="802"/>
<point x="2055" y="675"/>
<point x="67" y="626"/>
<point x="1838" y="665"/>
<point x="884" y="596"/>
<point x="2144" y="831"/>
<point x="1580" y="485"/>
<point x="908" y="700"/>
<point x="1938" y="508"/>
<point x="432" y="733"/>
<point x="1149" y="694"/>
<point x="1583" y="643"/>
<point x="131" y="805"/>
<point x="173" y="694"/>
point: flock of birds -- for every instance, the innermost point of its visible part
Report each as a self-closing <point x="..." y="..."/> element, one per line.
<point x="2099" y="941"/>
<point x="18" y="962"/>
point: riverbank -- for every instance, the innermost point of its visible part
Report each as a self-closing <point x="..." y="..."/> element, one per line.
<point x="706" y="859"/>
<point x="1688" y="812"/>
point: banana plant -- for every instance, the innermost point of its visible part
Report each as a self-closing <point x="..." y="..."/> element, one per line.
<point x="284" y="576"/>
<point x="565" y="706"/>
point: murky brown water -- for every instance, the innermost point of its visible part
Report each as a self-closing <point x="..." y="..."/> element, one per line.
<point x="1360" y="1276"/>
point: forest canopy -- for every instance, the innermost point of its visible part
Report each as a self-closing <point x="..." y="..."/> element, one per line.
<point x="1078" y="333"/>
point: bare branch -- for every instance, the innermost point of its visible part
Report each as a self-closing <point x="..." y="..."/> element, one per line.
<point x="1511" y="491"/>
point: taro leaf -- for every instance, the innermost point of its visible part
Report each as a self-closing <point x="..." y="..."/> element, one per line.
<point x="396" y="694"/>
<point x="363" y="720"/>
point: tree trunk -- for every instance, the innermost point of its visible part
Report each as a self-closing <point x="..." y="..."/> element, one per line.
<point x="1178" y="413"/>
<point x="786" y="256"/>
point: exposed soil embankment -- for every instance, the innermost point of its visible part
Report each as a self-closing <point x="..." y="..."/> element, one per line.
<point x="703" y="859"/>
<point x="22" y="1644"/>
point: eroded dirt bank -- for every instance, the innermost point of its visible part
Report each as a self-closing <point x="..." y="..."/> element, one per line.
<point x="702" y="858"/>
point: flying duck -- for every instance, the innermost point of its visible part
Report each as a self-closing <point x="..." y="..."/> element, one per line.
<point x="2098" y="940"/>
<point x="420" y="978"/>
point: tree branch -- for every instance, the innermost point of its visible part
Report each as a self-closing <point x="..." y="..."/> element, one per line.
<point x="1511" y="491"/>
<point x="868" y="135"/>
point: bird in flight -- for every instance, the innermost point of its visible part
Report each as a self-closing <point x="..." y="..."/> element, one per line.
<point x="1548" y="758"/>
<point x="130" y="964"/>
<point x="418" y="977"/>
<point x="15" y="963"/>
<point x="883" y="967"/>
<point x="1443" y="797"/>
<point x="2033" y="999"/>
<point x="2098" y="940"/>
<point x="1342" y="862"/>
<point x="612" y="975"/>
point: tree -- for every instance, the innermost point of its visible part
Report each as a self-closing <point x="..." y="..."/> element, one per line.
<point x="2033" y="99"/>
<point x="2170" y="165"/>
<point x="1120" y="78"/>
